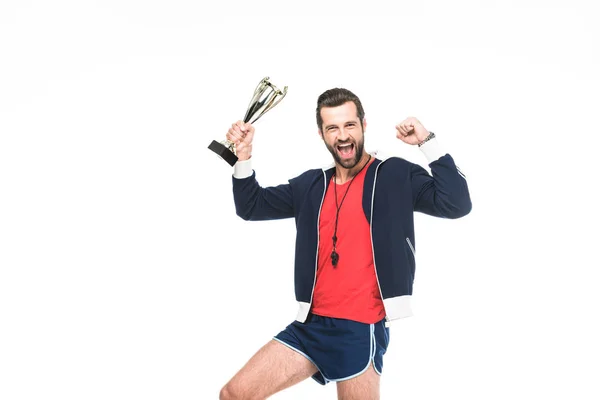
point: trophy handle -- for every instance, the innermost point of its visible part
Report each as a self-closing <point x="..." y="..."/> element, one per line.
<point x="283" y="93"/>
<point x="259" y="89"/>
<point x="260" y="85"/>
<point x="275" y="100"/>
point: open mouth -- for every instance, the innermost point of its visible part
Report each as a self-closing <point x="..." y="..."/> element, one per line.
<point x="346" y="150"/>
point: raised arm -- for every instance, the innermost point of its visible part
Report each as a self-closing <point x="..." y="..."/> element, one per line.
<point x="253" y="202"/>
<point x="445" y="194"/>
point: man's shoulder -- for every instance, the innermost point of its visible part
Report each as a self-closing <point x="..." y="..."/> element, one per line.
<point x="308" y="175"/>
<point x="394" y="163"/>
<point x="388" y="157"/>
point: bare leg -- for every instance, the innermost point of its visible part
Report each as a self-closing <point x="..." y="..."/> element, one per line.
<point x="363" y="387"/>
<point x="273" y="368"/>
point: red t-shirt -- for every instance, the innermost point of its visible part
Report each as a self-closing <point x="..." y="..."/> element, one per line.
<point x="349" y="290"/>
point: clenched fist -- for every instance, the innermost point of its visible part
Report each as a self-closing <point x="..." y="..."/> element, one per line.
<point x="411" y="131"/>
<point x="241" y="134"/>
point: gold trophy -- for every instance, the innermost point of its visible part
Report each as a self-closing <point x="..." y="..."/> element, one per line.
<point x="266" y="96"/>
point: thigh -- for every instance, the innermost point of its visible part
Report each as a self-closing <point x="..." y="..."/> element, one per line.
<point x="273" y="368"/>
<point x="363" y="387"/>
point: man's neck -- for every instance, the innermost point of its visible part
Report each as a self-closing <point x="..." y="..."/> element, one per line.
<point x="343" y="175"/>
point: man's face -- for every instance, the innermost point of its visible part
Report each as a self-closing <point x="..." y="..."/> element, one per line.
<point x="343" y="133"/>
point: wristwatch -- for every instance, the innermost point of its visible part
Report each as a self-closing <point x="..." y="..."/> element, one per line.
<point x="428" y="138"/>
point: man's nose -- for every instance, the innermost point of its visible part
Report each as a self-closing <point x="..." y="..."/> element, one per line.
<point x="343" y="135"/>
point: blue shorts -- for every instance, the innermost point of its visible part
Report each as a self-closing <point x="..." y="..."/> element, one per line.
<point x="340" y="349"/>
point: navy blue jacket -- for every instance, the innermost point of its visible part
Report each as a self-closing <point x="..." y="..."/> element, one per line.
<point x="393" y="190"/>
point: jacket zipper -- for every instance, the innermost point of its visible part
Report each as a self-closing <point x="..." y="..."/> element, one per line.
<point x="318" y="238"/>
<point x="371" y="231"/>
<point x="411" y="246"/>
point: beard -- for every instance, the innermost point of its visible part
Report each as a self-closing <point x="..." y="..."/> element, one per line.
<point x="352" y="162"/>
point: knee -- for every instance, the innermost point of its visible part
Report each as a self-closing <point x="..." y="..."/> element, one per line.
<point x="235" y="390"/>
<point x="225" y="393"/>
<point x="228" y="392"/>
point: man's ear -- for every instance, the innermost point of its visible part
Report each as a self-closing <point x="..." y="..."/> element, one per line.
<point x="364" y="122"/>
<point x="321" y="134"/>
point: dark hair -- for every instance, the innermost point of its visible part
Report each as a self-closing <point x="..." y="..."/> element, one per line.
<point x="336" y="97"/>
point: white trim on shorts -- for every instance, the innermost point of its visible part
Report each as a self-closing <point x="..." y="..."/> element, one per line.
<point x="375" y="350"/>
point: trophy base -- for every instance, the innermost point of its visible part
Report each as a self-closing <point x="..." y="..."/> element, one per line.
<point x="223" y="152"/>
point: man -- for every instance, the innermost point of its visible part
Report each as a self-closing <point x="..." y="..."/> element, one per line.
<point x="355" y="246"/>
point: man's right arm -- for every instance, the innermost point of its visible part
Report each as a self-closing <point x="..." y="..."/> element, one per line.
<point x="253" y="202"/>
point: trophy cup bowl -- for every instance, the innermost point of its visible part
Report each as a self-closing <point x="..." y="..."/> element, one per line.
<point x="266" y="96"/>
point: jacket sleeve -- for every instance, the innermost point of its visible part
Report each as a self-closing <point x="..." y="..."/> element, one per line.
<point x="255" y="203"/>
<point x="445" y="194"/>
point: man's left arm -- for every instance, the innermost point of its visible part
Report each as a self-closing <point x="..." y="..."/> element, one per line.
<point x="445" y="194"/>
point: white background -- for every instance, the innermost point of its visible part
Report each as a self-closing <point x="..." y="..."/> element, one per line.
<point x="125" y="273"/>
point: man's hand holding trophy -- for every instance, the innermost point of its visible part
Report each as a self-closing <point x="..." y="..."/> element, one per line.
<point x="266" y="96"/>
